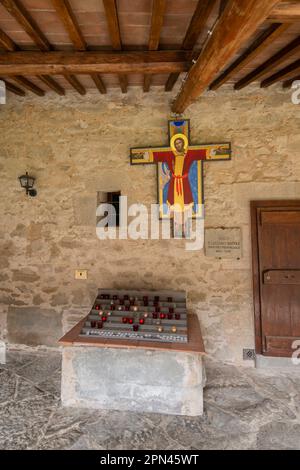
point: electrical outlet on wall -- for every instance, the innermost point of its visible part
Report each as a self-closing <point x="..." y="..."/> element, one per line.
<point x="81" y="274"/>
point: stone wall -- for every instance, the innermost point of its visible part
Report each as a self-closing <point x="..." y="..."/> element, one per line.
<point x="76" y="146"/>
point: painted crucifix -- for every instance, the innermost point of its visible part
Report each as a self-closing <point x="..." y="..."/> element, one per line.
<point x="180" y="169"/>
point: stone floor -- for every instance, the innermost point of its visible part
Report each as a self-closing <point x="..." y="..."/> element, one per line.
<point x="244" y="409"/>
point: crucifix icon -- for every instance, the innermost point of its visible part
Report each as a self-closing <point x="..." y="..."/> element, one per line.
<point x="180" y="168"/>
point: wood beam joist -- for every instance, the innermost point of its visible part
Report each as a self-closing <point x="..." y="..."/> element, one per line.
<point x="66" y="15"/>
<point x="196" y="27"/>
<point x="75" y="83"/>
<point x="239" y="21"/>
<point x="289" y="83"/>
<point x="257" y="47"/>
<point x="61" y="63"/>
<point x="284" y="74"/>
<point x="9" y="45"/>
<point x="13" y="88"/>
<point x="52" y="84"/>
<point x="157" y="18"/>
<point x="17" y="10"/>
<point x="286" y="12"/>
<point x="111" y="12"/>
<point x="22" y="16"/>
<point x="24" y="82"/>
<point x="288" y="51"/>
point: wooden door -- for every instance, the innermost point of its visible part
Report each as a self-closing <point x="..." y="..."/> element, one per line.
<point x="276" y="275"/>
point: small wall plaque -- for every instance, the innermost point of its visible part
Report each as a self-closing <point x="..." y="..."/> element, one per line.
<point x="223" y="242"/>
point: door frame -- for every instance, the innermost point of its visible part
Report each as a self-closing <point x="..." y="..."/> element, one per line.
<point x="254" y="205"/>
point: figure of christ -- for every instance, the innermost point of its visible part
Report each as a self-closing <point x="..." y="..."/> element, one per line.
<point x="179" y="160"/>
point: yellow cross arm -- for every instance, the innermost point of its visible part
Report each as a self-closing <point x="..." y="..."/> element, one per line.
<point x="144" y="156"/>
<point x="220" y="151"/>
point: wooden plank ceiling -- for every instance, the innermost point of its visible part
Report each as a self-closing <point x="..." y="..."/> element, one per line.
<point x="103" y="44"/>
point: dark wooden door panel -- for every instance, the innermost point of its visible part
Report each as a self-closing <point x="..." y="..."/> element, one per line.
<point x="276" y="272"/>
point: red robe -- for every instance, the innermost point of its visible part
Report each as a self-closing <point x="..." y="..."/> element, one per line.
<point x="182" y="182"/>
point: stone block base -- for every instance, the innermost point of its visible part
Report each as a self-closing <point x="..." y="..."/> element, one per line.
<point x="138" y="380"/>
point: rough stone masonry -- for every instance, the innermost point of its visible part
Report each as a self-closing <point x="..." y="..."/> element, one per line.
<point x="76" y="147"/>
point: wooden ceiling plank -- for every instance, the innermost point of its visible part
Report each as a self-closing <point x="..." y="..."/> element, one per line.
<point x="157" y="18"/>
<point x="66" y="15"/>
<point x="13" y="88"/>
<point x="196" y="27"/>
<point x="286" y="12"/>
<point x="21" y="15"/>
<point x="257" y="47"/>
<point x="284" y="74"/>
<point x="110" y="7"/>
<point x="289" y="83"/>
<point x="239" y="21"/>
<point x="28" y="85"/>
<point x="288" y="51"/>
<point x="75" y="83"/>
<point x="52" y="84"/>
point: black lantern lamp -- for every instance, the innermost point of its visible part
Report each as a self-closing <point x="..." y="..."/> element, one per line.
<point x="27" y="182"/>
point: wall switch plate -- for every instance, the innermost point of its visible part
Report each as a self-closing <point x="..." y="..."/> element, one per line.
<point x="81" y="274"/>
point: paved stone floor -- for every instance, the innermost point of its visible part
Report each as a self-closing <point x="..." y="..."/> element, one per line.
<point x="244" y="409"/>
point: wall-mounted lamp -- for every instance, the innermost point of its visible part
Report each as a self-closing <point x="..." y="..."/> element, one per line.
<point x="27" y="182"/>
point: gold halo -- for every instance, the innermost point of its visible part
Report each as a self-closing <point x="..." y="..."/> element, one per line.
<point x="179" y="136"/>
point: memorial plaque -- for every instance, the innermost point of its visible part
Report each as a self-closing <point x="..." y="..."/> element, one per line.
<point x="223" y="242"/>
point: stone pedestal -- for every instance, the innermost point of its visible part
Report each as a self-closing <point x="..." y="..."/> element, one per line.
<point x="141" y="380"/>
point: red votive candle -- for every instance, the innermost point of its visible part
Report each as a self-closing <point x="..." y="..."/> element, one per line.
<point x="127" y="307"/>
<point x="99" y="324"/>
<point x="126" y="297"/>
<point x="135" y="327"/>
<point x="142" y="321"/>
<point x="170" y="316"/>
<point x="97" y="307"/>
<point x="171" y="310"/>
<point x="156" y="298"/>
<point x="130" y="320"/>
<point x="113" y="307"/>
<point x="177" y="316"/>
<point x="104" y="318"/>
<point x="162" y="315"/>
<point x="115" y="297"/>
<point x="124" y="320"/>
<point x="93" y="324"/>
<point x="154" y="315"/>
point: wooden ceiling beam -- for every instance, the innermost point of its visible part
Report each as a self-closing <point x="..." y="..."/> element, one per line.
<point x="6" y="43"/>
<point x="157" y="18"/>
<point x="21" y="15"/>
<point x="13" y="88"/>
<point x="284" y="74"/>
<point x="25" y="83"/>
<point x="61" y="62"/>
<point x="52" y="84"/>
<point x="239" y="21"/>
<point x="10" y="46"/>
<point x="111" y="12"/>
<point x="75" y="83"/>
<point x="196" y="27"/>
<point x="66" y="15"/>
<point x="257" y="47"/>
<point x="286" y="12"/>
<point x="288" y="51"/>
<point x="289" y="83"/>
